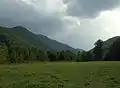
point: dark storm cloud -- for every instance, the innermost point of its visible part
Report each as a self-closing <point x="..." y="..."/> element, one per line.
<point x="13" y="13"/>
<point x="90" y="8"/>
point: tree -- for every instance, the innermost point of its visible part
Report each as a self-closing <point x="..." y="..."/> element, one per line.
<point x="86" y="56"/>
<point x="78" y="57"/>
<point x="61" y="56"/>
<point x="51" y="56"/>
<point x="3" y="54"/>
<point x="98" y="51"/>
<point x="114" y="52"/>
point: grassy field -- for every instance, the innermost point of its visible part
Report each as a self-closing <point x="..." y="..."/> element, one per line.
<point x="61" y="75"/>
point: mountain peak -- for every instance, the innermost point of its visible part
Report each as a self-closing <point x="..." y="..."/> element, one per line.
<point x="26" y="37"/>
<point x="19" y="27"/>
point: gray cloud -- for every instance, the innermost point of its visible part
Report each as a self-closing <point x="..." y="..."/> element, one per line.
<point x="90" y="8"/>
<point x="70" y="26"/>
<point x="14" y="13"/>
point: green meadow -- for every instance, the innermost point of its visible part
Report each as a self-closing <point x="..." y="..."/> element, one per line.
<point x="61" y="75"/>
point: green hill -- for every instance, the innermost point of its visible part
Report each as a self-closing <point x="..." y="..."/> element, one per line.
<point x="28" y="37"/>
<point x="21" y="36"/>
<point x="55" y="45"/>
<point x="108" y="46"/>
<point x="24" y="37"/>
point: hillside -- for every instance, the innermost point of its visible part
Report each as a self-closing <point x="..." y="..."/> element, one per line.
<point x="29" y="37"/>
<point x="55" y="45"/>
<point x="24" y="37"/>
<point x="107" y="45"/>
<point x="110" y="41"/>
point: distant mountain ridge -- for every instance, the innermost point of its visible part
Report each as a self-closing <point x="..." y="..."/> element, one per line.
<point x="26" y="37"/>
<point x="55" y="45"/>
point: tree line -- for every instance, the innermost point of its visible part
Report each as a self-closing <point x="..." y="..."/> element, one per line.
<point x="11" y="52"/>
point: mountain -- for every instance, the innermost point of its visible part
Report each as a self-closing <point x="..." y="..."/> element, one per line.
<point x="29" y="37"/>
<point x="25" y="37"/>
<point x="107" y="44"/>
<point x="110" y="41"/>
<point x="55" y="45"/>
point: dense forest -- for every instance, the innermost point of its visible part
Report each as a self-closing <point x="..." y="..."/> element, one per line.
<point x="14" y="51"/>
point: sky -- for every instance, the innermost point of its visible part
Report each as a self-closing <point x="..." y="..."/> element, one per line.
<point x="78" y="23"/>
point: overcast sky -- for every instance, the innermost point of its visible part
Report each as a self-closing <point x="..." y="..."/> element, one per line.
<point x="78" y="23"/>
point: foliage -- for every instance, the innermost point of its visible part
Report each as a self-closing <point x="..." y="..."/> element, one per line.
<point x="114" y="51"/>
<point x="11" y="52"/>
<point x="3" y="54"/>
<point x="98" y="51"/>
